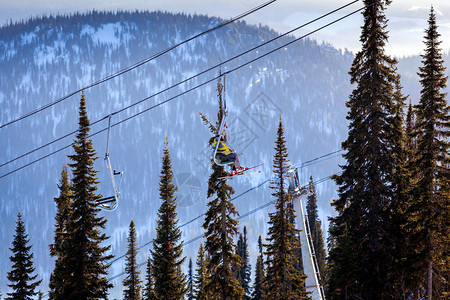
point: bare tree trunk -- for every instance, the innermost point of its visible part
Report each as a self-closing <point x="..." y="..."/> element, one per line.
<point x="429" y="293"/>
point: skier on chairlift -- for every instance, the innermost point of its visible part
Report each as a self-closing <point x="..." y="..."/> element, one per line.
<point x="226" y="155"/>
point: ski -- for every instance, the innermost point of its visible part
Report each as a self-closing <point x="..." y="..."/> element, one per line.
<point x="244" y="172"/>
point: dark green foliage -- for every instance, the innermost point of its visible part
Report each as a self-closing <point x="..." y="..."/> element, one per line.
<point x="86" y="261"/>
<point x="60" y="274"/>
<point x="149" y="288"/>
<point x="20" y="276"/>
<point x="170" y="282"/>
<point x="284" y="280"/>
<point x="362" y="242"/>
<point x="430" y="208"/>
<point x="316" y="232"/>
<point x="258" y="286"/>
<point x="244" y="272"/>
<point x="132" y="283"/>
<point x="201" y="276"/>
<point x="190" y="293"/>
<point x="220" y="228"/>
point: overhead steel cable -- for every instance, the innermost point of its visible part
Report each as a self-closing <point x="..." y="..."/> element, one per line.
<point x="192" y="77"/>
<point x="140" y="63"/>
<point x="195" y="87"/>
<point x="322" y="180"/>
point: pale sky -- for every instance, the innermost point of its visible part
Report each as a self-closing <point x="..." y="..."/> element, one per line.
<point x="407" y="18"/>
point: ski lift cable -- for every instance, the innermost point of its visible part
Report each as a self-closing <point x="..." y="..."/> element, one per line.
<point x="201" y="235"/>
<point x="195" y="87"/>
<point x="188" y="79"/>
<point x="138" y="64"/>
<point x="312" y="161"/>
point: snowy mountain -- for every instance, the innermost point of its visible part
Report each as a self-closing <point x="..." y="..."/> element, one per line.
<point x="46" y="58"/>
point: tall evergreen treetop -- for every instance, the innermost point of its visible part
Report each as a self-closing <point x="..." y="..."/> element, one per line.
<point x="170" y="282"/>
<point x="149" y="287"/>
<point x="20" y="276"/>
<point x="60" y="274"/>
<point x="132" y="282"/>
<point x="284" y="280"/>
<point x="431" y="162"/>
<point x="258" y="286"/>
<point x="190" y="293"/>
<point x="244" y="272"/>
<point x="220" y="226"/>
<point x="366" y="186"/>
<point x="201" y="276"/>
<point x="86" y="259"/>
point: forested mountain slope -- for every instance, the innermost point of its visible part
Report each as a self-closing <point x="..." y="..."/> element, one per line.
<point x="45" y="58"/>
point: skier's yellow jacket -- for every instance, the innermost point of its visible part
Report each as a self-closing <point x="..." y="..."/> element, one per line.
<point x="223" y="148"/>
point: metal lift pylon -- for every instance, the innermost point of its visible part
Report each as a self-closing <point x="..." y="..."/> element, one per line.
<point x="310" y="265"/>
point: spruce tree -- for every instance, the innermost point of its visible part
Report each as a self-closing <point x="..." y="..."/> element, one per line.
<point x="244" y="272"/>
<point x="190" y="293"/>
<point x="132" y="283"/>
<point x="22" y="281"/>
<point x="286" y="282"/>
<point x="430" y="209"/>
<point x="400" y="271"/>
<point x="258" y="286"/>
<point x="170" y="282"/>
<point x="361" y="233"/>
<point x="149" y="287"/>
<point x="221" y="227"/>
<point x="316" y="231"/>
<point x="201" y="276"/>
<point x="86" y="261"/>
<point x="59" y="276"/>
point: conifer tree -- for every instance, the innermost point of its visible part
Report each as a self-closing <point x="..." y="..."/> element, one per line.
<point x="221" y="227"/>
<point x="286" y="282"/>
<point x="149" y="287"/>
<point x="86" y="261"/>
<point x="190" y="294"/>
<point x="399" y="274"/>
<point x="316" y="231"/>
<point x="201" y="276"/>
<point x="20" y="277"/>
<point x="244" y="275"/>
<point x="59" y="276"/>
<point x="430" y="209"/>
<point x="258" y="286"/>
<point x="360" y="233"/>
<point x="132" y="283"/>
<point x="170" y="282"/>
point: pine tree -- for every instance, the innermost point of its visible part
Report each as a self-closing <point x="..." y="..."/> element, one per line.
<point x="286" y="282"/>
<point x="190" y="294"/>
<point x="258" y="286"/>
<point x="59" y="276"/>
<point x="221" y="227"/>
<point x="316" y="231"/>
<point x="149" y="288"/>
<point x="22" y="268"/>
<point x="361" y="233"/>
<point x="86" y="261"/>
<point x="201" y="276"/>
<point x="244" y="272"/>
<point x="132" y="283"/>
<point x="429" y="211"/>
<point x="170" y="282"/>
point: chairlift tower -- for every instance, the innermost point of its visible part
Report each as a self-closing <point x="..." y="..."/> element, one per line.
<point x="310" y="264"/>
